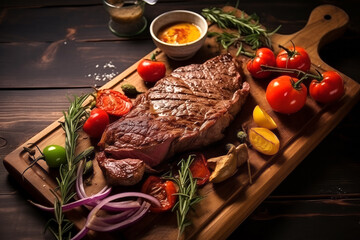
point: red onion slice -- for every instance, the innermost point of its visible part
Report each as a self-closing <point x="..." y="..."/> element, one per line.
<point x="109" y="223"/>
<point x="107" y="227"/>
<point x="83" y="201"/>
<point x="115" y="218"/>
<point x="113" y="206"/>
<point x="140" y="212"/>
<point x="82" y="233"/>
<point x="132" y="210"/>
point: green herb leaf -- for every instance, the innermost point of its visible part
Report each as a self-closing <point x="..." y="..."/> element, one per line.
<point x="187" y="193"/>
<point x="249" y="30"/>
<point x="73" y="121"/>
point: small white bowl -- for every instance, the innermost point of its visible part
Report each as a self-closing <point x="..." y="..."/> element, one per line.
<point x="179" y="51"/>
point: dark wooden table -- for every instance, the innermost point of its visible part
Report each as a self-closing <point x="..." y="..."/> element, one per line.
<point x="50" y="49"/>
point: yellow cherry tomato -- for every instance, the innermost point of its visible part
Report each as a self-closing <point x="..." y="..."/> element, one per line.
<point x="264" y="140"/>
<point x="263" y="119"/>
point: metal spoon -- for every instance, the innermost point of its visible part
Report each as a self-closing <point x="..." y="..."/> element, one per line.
<point x="150" y="2"/>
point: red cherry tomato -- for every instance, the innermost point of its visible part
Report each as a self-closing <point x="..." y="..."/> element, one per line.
<point x="96" y="123"/>
<point x="293" y="58"/>
<point x="163" y="190"/>
<point x="151" y="70"/>
<point x="329" y="89"/>
<point x="264" y="56"/>
<point x="285" y="95"/>
<point x="199" y="169"/>
<point x="113" y="102"/>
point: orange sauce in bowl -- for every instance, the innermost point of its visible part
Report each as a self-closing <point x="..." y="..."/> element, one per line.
<point x="179" y="33"/>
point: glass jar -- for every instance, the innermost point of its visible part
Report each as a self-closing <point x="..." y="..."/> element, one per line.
<point x="126" y="17"/>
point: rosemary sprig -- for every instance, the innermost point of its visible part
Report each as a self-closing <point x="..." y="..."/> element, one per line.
<point x="229" y="39"/>
<point x="248" y="29"/>
<point x="187" y="193"/>
<point x="73" y="121"/>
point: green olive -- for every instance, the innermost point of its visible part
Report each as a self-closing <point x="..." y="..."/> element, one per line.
<point x="241" y="135"/>
<point x="54" y="155"/>
<point x="129" y="90"/>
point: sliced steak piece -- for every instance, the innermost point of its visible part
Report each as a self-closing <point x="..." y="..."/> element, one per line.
<point x="184" y="111"/>
<point x="124" y="172"/>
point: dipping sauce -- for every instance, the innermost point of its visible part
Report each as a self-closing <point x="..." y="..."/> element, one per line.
<point x="179" y="33"/>
<point x="126" y="11"/>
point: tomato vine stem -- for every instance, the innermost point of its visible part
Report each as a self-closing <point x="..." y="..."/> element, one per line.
<point x="289" y="52"/>
<point x="300" y="74"/>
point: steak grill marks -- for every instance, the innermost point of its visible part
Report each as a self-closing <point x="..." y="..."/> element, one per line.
<point x="186" y="110"/>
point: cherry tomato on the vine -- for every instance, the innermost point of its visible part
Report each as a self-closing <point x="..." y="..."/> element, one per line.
<point x="263" y="56"/>
<point x="163" y="190"/>
<point x="151" y="70"/>
<point x="293" y="58"/>
<point x="329" y="89"/>
<point x="286" y="95"/>
<point x="54" y="155"/>
<point x="113" y="102"/>
<point x="95" y="125"/>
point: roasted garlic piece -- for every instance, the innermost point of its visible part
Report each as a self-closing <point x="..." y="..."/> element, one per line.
<point x="226" y="166"/>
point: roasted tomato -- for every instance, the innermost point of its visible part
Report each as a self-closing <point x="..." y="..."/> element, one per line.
<point x="113" y="102"/>
<point x="54" y="155"/>
<point x="293" y="58"/>
<point x="199" y="169"/>
<point x="151" y="70"/>
<point x="329" y="89"/>
<point x="286" y="94"/>
<point x="263" y="56"/>
<point x="163" y="190"/>
<point x="96" y="123"/>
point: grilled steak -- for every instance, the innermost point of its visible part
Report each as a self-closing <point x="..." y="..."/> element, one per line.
<point x="130" y="171"/>
<point x="184" y="111"/>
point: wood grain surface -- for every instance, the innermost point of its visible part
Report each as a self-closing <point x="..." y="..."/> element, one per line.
<point x="226" y="220"/>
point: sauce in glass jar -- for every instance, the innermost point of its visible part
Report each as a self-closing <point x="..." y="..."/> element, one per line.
<point x="126" y="17"/>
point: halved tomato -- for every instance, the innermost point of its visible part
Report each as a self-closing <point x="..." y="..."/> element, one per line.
<point x="199" y="169"/>
<point x="163" y="190"/>
<point x="113" y="102"/>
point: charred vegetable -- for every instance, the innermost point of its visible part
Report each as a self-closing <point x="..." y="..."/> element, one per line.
<point x="163" y="190"/>
<point x="113" y="102"/>
<point x="199" y="169"/>
<point x="226" y="166"/>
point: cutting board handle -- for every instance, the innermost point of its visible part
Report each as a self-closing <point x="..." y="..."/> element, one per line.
<point x="326" y="23"/>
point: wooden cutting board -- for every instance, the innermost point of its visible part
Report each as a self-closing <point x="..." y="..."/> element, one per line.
<point x="226" y="204"/>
